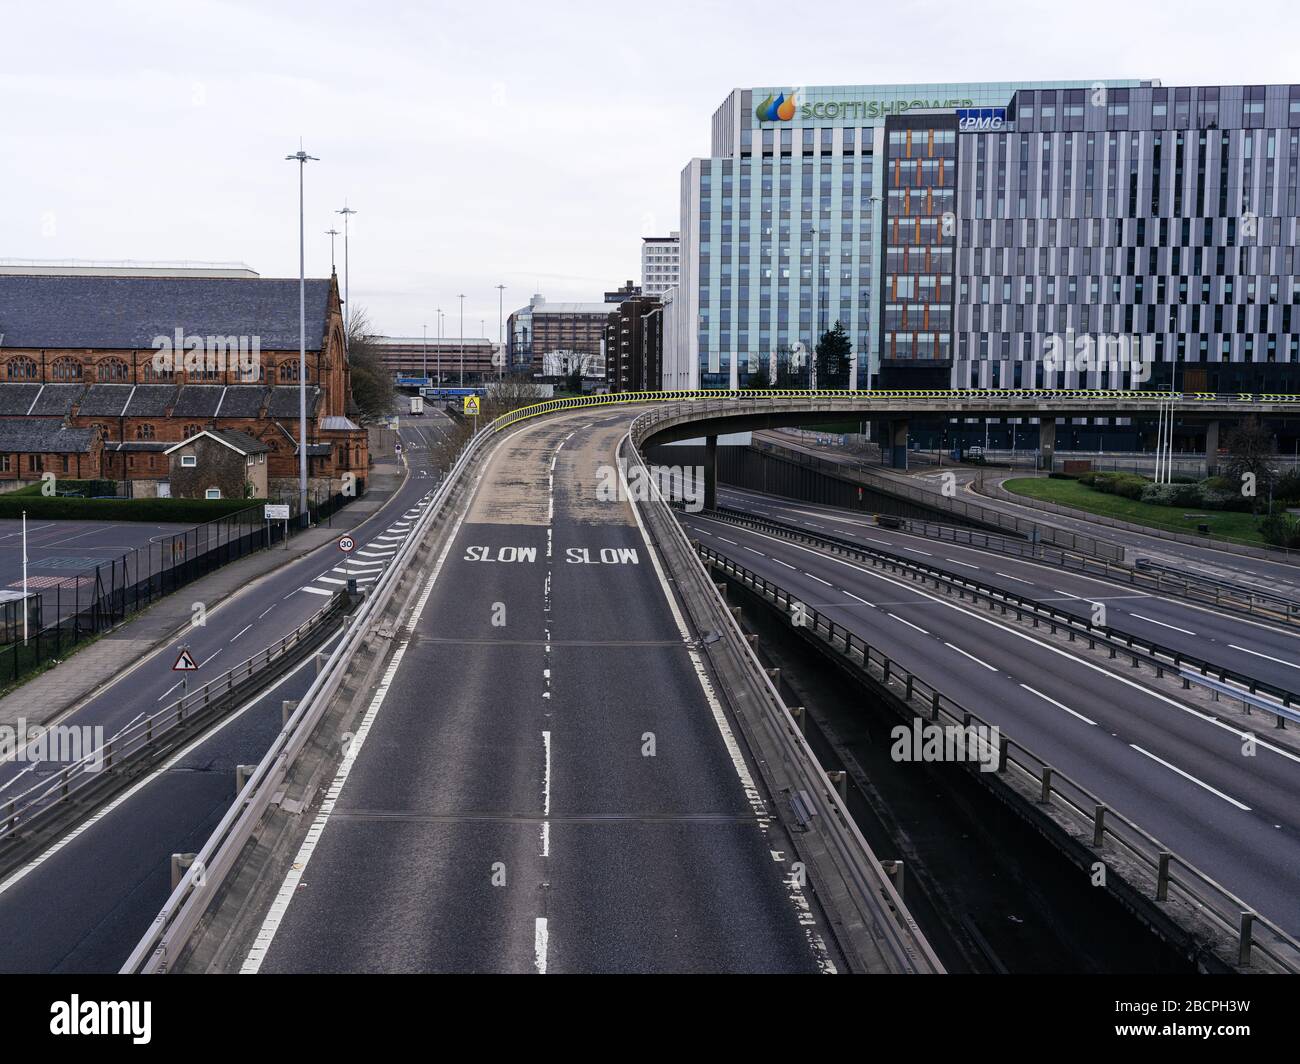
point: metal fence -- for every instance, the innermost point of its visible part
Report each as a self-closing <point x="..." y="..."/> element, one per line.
<point x="80" y="607"/>
<point x="967" y="511"/>
<point x="1166" y="877"/>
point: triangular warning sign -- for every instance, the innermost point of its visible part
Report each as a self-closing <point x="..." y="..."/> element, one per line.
<point x="185" y="662"/>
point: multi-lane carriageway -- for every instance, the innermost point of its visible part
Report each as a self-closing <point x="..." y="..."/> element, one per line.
<point x="545" y="780"/>
<point x="1177" y="769"/>
<point x="84" y="903"/>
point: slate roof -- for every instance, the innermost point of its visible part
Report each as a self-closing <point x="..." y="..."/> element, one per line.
<point x="284" y="400"/>
<point x="17" y="398"/>
<point x="44" y="436"/>
<point x="105" y="400"/>
<point x="197" y="400"/>
<point x="151" y="400"/>
<point x="242" y="440"/>
<point x="129" y="312"/>
<point x="243" y="400"/>
<point x="56" y="399"/>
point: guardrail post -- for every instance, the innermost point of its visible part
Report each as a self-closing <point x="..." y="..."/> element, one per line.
<point x="1099" y="827"/>
<point x="934" y="705"/>
<point x="894" y="869"/>
<point x="1045" y="794"/>
<point x="242" y="772"/>
<point x="286" y="710"/>
<point x="774" y="675"/>
<point x="1243" y="949"/>
<point x="1162" y="876"/>
<point x="12" y="819"/>
<point x="800" y="718"/>
<point x="841" y="781"/>
<point x="180" y="864"/>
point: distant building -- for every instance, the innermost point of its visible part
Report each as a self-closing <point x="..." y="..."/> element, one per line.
<point x="410" y="356"/>
<point x="32" y="447"/>
<point x="660" y="256"/>
<point x="633" y="345"/>
<point x="218" y="464"/>
<point x="630" y="290"/>
<point x="563" y="331"/>
<point x="123" y="268"/>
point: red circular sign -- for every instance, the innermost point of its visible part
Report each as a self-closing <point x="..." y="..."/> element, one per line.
<point x="346" y="544"/>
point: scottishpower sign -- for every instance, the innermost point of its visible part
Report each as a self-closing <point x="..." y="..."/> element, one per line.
<point x="779" y="107"/>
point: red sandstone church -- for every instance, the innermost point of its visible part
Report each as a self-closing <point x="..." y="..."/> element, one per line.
<point x="92" y="383"/>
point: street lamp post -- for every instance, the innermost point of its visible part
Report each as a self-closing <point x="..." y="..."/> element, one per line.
<point x="501" y="342"/>
<point x="439" y="352"/>
<point x="425" y="372"/>
<point x="302" y="158"/>
<point x="817" y="308"/>
<point x="347" y="288"/>
<point x="332" y="233"/>
<point x="461" y="297"/>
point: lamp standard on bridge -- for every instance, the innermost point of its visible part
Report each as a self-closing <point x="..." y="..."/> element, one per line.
<point x="302" y="158"/>
<point x="347" y="212"/>
<point x="461" y="297"/>
<point x="501" y="334"/>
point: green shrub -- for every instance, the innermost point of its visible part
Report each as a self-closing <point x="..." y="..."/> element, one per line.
<point x="181" y="511"/>
<point x="1287" y="487"/>
<point x="1180" y="495"/>
<point x="1281" y="530"/>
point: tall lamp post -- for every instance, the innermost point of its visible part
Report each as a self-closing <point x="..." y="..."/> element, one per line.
<point x="425" y="372"/>
<point x="331" y="233"/>
<point x="347" y="288"/>
<point x="302" y="158"/>
<point x="501" y="335"/>
<point x="817" y="307"/>
<point x="439" y="351"/>
<point x="461" y="297"/>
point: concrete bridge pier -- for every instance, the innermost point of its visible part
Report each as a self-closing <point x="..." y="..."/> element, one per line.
<point x="898" y="444"/>
<point x="1047" y="442"/>
<point x="1212" y="449"/>
<point x="711" y="472"/>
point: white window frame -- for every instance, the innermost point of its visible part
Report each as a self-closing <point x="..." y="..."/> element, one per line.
<point x="212" y="493"/>
<point x="189" y="461"/>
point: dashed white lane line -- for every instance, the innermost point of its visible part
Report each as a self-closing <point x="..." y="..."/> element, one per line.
<point x="1188" y="776"/>
<point x="758" y="552"/>
<point x="915" y="551"/>
<point x="1057" y="591"/>
<point x="541" y="939"/>
<point x="266" y="611"/>
<point x="956" y="561"/>
<point x="786" y="564"/>
<point x="731" y="541"/>
<point x="1270" y="657"/>
<point x="819" y="580"/>
<point x="1058" y="705"/>
<point x="909" y="624"/>
<point x="1018" y="579"/>
<point x="699" y="530"/>
<point x="1152" y="620"/>
<point x="857" y="599"/>
<point x="964" y="654"/>
<point x="241" y="631"/>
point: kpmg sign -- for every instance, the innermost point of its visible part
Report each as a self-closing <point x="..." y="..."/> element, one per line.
<point x="979" y="119"/>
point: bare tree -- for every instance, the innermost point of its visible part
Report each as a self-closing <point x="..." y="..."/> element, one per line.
<point x="372" y="383"/>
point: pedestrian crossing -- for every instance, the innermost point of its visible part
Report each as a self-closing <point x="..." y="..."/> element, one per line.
<point x="367" y="563"/>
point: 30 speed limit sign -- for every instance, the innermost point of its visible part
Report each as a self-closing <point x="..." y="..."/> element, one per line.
<point x="346" y="544"/>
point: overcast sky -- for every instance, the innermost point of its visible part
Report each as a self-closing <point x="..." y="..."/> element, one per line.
<point x="521" y="143"/>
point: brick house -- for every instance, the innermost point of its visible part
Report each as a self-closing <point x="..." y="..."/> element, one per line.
<point x="149" y="361"/>
<point x="35" y="446"/>
<point x="218" y="464"/>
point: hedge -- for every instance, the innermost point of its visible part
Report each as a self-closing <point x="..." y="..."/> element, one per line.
<point x="181" y="511"/>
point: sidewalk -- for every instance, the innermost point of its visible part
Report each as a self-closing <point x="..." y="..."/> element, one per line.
<point x="71" y="682"/>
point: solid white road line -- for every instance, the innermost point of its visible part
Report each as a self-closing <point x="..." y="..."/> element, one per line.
<point x="1058" y="705"/>
<point x="973" y="658"/>
<point x="1188" y="776"/>
<point x="1152" y="620"/>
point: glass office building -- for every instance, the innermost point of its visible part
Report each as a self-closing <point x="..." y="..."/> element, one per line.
<point x="956" y="230"/>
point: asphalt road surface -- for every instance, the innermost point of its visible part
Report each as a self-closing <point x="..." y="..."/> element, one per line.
<point x="84" y="904"/>
<point x="1169" y="766"/>
<point x="504" y="812"/>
